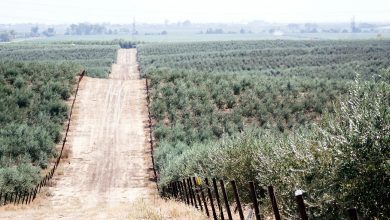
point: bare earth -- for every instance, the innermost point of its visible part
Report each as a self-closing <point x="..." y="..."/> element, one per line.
<point x="107" y="173"/>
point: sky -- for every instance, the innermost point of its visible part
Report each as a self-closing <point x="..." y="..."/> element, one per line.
<point x="197" y="11"/>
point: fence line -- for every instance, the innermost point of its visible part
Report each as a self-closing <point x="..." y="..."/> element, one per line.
<point x="151" y="140"/>
<point x="175" y="190"/>
<point x="26" y="197"/>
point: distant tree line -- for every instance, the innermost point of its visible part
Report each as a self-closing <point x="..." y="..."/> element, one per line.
<point x="7" y="36"/>
<point x="214" y="31"/>
<point x="90" y="29"/>
<point x="85" y="29"/>
<point x="127" y="44"/>
<point x="50" y="32"/>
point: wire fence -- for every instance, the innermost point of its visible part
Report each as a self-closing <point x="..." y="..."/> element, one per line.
<point x="26" y="197"/>
<point x="214" y="202"/>
<point x="150" y="122"/>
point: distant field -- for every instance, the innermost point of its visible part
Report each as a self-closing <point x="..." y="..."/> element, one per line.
<point x="188" y="37"/>
<point x="95" y="57"/>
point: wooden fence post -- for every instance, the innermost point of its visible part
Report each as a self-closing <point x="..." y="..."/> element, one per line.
<point x="301" y="204"/>
<point x="193" y="192"/>
<point x="30" y="196"/>
<point x="190" y="191"/>
<point x="16" y="197"/>
<point x="353" y="215"/>
<point x="35" y="192"/>
<point x="186" y="191"/>
<point x="40" y="186"/>
<point x="205" y="204"/>
<point x="44" y="180"/>
<point x="225" y="198"/>
<point x="5" y="199"/>
<point x="211" y="199"/>
<point x="183" y="192"/>
<point x="237" y="197"/>
<point x="20" y="196"/>
<point x="197" y="194"/>
<point x="173" y="192"/>
<point x="254" y="200"/>
<point x="178" y="190"/>
<point x="180" y="193"/>
<point x="11" y="198"/>
<point x="170" y="190"/>
<point x="218" y="199"/>
<point x="25" y="196"/>
<point x="274" y="202"/>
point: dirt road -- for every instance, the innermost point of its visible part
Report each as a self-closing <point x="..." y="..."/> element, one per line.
<point x="109" y="159"/>
<point x="108" y="140"/>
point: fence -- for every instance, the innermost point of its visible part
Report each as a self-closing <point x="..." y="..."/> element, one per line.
<point x="26" y="197"/>
<point x="151" y="140"/>
<point x="198" y="193"/>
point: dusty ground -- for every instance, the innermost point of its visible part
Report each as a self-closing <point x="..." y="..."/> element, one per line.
<point x="107" y="175"/>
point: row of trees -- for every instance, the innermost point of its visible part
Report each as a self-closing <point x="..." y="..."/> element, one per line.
<point x="285" y="58"/>
<point x="49" y="32"/>
<point x="7" y="36"/>
<point x="276" y="124"/>
<point x="95" y="57"/>
<point x="225" y="46"/>
<point x="85" y="29"/>
<point x="89" y="29"/>
<point x="32" y="110"/>
<point x="205" y="106"/>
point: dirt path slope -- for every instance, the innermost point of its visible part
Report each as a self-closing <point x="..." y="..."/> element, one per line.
<point x="109" y="160"/>
<point x="108" y="141"/>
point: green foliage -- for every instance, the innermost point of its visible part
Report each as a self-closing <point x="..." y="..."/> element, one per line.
<point x="127" y="44"/>
<point x="85" y="29"/>
<point x="310" y="59"/>
<point x="5" y="37"/>
<point x="360" y="141"/>
<point x="21" y="178"/>
<point x="32" y="110"/>
<point x="340" y="164"/>
<point x="268" y="111"/>
<point x="202" y="102"/>
<point x="94" y="56"/>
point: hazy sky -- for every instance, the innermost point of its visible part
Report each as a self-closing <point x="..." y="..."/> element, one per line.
<point x="157" y="11"/>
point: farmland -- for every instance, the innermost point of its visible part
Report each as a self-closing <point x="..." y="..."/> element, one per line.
<point x="293" y="114"/>
<point x="298" y="115"/>
<point x="96" y="57"/>
<point x="35" y="82"/>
